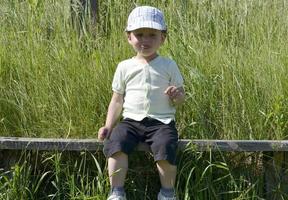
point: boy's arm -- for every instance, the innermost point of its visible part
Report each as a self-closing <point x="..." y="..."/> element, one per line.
<point x="177" y="95"/>
<point x="114" y="111"/>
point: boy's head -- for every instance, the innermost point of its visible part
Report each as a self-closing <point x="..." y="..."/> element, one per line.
<point x="146" y="31"/>
<point x="146" y="17"/>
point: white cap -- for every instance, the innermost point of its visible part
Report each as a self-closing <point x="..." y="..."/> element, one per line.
<point x="146" y="17"/>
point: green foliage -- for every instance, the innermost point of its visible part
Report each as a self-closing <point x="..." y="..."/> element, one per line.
<point x="216" y="175"/>
<point x="83" y="175"/>
<point x="55" y="78"/>
<point x="56" y="72"/>
<point x="55" y="176"/>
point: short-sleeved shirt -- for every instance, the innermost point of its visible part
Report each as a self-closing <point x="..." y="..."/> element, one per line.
<point x="143" y="87"/>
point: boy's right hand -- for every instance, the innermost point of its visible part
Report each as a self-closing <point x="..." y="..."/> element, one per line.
<point x="103" y="133"/>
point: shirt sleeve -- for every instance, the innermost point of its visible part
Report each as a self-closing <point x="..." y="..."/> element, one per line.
<point x="176" y="77"/>
<point x="118" y="85"/>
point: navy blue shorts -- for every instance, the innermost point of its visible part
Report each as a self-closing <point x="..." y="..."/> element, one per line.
<point x="162" y="138"/>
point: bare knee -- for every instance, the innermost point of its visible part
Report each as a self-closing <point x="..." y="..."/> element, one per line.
<point x="119" y="155"/>
<point x="118" y="162"/>
<point x="165" y="166"/>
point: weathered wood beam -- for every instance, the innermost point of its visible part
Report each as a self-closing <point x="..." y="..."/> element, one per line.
<point x="58" y="144"/>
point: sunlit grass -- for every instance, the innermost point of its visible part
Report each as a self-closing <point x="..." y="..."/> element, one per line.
<point x="56" y="76"/>
<point x="55" y="176"/>
<point x="83" y="175"/>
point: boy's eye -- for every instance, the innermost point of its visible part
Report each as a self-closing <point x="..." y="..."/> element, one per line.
<point x="140" y="35"/>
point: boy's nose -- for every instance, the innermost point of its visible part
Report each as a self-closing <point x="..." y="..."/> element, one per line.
<point x="145" y="38"/>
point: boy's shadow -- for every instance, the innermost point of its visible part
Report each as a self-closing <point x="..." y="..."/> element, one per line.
<point x="143" y="181"/>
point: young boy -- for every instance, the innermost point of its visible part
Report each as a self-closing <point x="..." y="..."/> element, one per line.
<point x="147" y="87"/>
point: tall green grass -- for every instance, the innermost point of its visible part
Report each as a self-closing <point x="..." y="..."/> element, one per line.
<point x="55" y="176"/>
<point x="55" y="72"/>
<point x="56" y="75"/>
<point x="201" y="176"/>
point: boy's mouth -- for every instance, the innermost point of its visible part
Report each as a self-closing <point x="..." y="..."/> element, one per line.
<point x="145" y="47"/>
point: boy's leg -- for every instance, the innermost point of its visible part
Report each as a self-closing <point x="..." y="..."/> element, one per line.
<point x="117" y="169"/>
<point x="164" y="147"/>
<point x="117" y="147"/>
<point x="167" y="173"/>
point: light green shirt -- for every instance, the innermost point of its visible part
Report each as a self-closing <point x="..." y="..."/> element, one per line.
<point x="143" y="87"/>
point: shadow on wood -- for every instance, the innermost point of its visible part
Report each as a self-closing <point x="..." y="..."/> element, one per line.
<point x="276" y="175"/>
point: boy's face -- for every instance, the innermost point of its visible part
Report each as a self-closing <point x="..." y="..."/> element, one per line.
<point x="146" y="41"/>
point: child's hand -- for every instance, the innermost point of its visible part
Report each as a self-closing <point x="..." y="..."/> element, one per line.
<point x="103" y="133"/>
<point x="175" y="94"/>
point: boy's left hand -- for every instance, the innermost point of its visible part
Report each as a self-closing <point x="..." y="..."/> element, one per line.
<point x="175" y="94"/>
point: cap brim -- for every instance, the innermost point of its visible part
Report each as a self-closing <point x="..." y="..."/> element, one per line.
<point x="148" y="24"/>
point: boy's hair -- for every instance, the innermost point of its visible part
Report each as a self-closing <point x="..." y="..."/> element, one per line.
<point x="164" y="32"/>
<point x="146" y="17"/>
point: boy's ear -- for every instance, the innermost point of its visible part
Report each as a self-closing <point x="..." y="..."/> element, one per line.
<point x="128" y="36"/>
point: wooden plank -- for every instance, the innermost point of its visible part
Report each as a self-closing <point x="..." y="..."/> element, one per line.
<point x="58" y="144"/>
<point x="49" y="144"/>
<point x="241" y="145"/>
